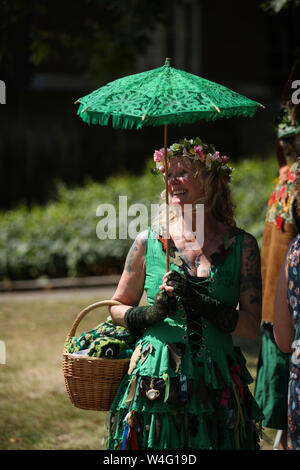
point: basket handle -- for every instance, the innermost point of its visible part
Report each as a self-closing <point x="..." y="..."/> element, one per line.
<point x="86" y="310"/>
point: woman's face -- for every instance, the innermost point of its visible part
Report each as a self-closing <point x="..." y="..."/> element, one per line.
<point x="184" y="186"/>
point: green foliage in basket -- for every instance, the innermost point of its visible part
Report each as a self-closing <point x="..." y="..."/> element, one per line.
<point x="105" y="340"/>
<point x="59" y="239"/>
<point x="109" y="348"/>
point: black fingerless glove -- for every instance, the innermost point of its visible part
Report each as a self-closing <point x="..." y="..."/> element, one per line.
<point x="197" y="304"/>
<point x="138" y="318"/>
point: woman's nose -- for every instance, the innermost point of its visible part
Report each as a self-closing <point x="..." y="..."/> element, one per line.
<point x="174" y="178"/>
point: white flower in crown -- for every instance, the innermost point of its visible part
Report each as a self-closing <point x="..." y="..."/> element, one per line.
<point x="208" y="161"/>
<point x="160" y="166"/>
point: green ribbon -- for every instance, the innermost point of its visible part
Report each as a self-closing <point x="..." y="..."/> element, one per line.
<point x="166" y="379"/>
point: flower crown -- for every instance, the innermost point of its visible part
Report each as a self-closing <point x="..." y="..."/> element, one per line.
<point x="195" y="149"/>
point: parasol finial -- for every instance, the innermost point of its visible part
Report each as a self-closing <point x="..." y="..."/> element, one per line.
<point x="168" y="61"/>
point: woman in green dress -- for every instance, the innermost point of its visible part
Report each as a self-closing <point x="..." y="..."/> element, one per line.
<point x="187" y="385"/>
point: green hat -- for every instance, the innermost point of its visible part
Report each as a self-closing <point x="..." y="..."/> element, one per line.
<point x="288" y="121"/>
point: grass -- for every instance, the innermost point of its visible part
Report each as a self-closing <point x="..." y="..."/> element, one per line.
<point x="35" y="412"/>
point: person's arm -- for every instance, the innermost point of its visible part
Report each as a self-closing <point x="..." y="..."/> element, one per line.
<point x="283" y="328"/>
<point x="131" y="285"/>
<point x="250" y="300"/>
<point x="130" y="290"/>
<point x="281" y="159"/>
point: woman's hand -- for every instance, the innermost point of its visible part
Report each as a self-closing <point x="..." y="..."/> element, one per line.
<point x="174" y="283"/>
<point x="197" y="304"/>
<point x="139" y="318"/>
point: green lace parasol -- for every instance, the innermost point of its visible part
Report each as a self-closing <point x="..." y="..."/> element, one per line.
<point x="164" y="95"/>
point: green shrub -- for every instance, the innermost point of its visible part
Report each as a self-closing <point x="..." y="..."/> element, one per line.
<point x="60" y="238"/>
<point x="252" y="184"/>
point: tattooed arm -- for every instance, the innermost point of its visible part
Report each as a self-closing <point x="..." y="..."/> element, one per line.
<point x="250" y="290"/>
<point x="131" y="285"/>
<point x="284" y="331"/>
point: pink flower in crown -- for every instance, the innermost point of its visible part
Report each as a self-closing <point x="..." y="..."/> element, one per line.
<point x="225" y="159"/>
<point x="198" y="152"/>
<point x="217" y="157"/>
<point x="158" y="155"/>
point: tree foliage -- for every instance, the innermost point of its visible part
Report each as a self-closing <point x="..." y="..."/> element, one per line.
<point x="100" y="38"/>
<point x="276" y="6"/>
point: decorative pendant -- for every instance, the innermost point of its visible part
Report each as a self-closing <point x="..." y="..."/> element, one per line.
<point x="152" y="394"/>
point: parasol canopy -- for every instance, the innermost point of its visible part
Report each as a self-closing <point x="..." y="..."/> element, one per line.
<point x="164" y="95"/>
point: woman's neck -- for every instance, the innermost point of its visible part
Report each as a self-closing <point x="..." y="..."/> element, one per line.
<point x="196" y="230"/>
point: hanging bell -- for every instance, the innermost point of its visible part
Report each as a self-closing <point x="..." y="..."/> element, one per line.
<point x="152" y="393"/>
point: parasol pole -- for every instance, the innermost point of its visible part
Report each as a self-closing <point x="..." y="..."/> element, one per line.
<point x="167" y="194"/>
<point x="167" y="62"/>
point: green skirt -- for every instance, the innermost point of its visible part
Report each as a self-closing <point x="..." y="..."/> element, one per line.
<point x="177" y="397"/>
<point x="271" y="388"/>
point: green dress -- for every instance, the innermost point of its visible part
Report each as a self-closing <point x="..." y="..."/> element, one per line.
<point x="187" y="385"/>
<point x="273" y="366"/>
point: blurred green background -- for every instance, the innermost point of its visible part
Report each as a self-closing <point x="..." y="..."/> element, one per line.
<point x="55" y="170"/>
<point x="59" y="238"/>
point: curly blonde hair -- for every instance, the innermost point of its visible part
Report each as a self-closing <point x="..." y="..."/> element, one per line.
<point x="217" y="198"/>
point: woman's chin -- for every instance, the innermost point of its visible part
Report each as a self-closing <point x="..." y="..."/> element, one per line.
<point x="177" y="201"/>
<point x="182" y="199"/>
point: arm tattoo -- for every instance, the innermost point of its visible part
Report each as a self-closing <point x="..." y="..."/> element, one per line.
<point x="142" y="238"/>
<point x="251" y="276"/>
<point x="130" y="256"/>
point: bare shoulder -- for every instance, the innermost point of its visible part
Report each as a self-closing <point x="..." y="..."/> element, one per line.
<point x="131" y="285"/>
<point x="136" y="254"/>
<point x="143" y="237"/>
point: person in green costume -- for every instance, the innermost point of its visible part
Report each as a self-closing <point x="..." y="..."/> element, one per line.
<point x="273" y="365"/>
<point x="187" y="385"/>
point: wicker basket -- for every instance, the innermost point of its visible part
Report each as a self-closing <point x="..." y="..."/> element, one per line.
<point x="92" y="382"/>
